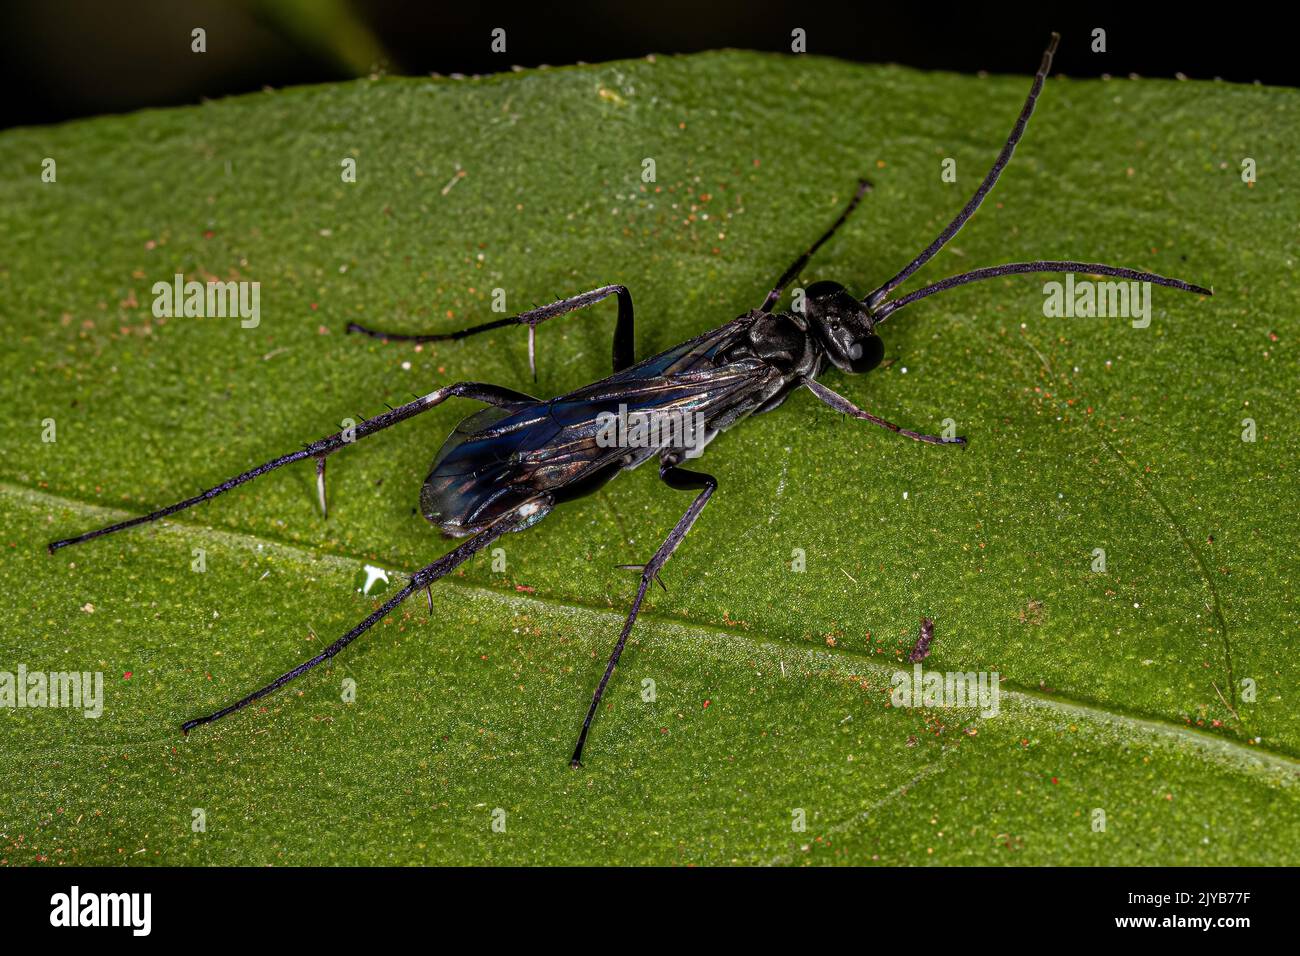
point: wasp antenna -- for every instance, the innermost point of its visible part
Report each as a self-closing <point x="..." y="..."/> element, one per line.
<point x="985" y="187"/>
<point x="885" y="309"/>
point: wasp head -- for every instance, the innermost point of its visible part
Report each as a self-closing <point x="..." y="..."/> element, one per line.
<point x="844" y="326"/>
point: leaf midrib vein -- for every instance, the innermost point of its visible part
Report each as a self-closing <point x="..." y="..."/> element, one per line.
<point x="1026" y="695"/>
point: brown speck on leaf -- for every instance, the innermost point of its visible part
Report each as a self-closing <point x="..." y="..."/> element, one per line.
<point x="921" y="650"/>
<point x="1033" y="613"/>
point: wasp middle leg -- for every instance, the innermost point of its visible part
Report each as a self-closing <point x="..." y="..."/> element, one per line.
<point x="624" y="346"/>
<point x="682" y="480"/>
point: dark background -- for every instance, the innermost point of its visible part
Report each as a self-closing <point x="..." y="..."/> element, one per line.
<point x="63" y="59"/>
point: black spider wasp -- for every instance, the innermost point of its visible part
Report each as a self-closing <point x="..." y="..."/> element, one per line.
<point x="506" y="466"/>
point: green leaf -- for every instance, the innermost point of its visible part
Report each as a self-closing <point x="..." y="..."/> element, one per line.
<point x="1127" y="691"/>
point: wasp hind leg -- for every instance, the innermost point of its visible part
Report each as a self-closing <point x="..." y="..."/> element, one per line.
<point x="320" y="450"/>
<point x="422" y="579"/>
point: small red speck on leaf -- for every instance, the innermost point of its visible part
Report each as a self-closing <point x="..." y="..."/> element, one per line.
<point x="127" y="675"/>
<point x="706" y="704"/>
<point x="314" y="307"/>
<point x="208" y="234"/>
<point x="526" y="588"/>
<point x="1055" y="781"/>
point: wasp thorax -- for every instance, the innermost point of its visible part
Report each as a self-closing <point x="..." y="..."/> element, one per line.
<point x="844" y="326"/>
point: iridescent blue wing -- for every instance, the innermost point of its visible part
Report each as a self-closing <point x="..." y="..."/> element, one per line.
<point x="500" y="458"/>
<point x="698" y="353"/>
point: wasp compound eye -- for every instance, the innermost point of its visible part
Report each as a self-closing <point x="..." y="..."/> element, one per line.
<point x="866" y="354"/>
